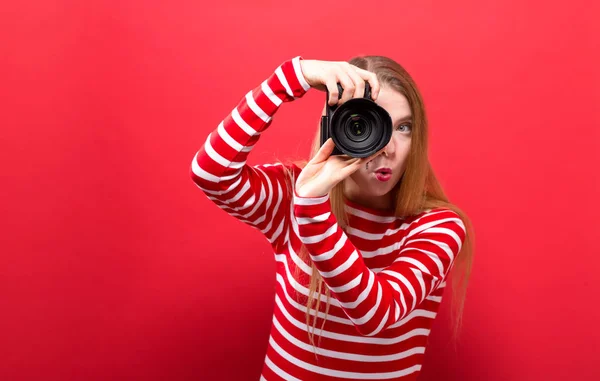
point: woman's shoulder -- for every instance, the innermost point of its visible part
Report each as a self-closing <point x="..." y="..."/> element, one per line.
<point x="430" y="215"/>
<point x="438" y="210"/>
<point x="435" y="218"/>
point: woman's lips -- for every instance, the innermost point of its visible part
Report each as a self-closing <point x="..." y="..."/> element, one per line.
<point x="383" y="174"/>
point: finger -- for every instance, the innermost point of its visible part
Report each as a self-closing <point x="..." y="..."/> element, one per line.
<point x="353" y="166"/>
<point x="367" y="159"/>
<point x="324" y="152"/>
<point x="372" y="79"/>
<point x="333" y="91"/>
<point x="347" y="85"/>
<point x="373" y="156"/>
<point x="359" y="83"/>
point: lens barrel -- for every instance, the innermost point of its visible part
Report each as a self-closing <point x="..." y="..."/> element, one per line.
<point x="360" y="127"/>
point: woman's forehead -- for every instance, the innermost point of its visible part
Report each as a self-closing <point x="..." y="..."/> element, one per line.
<point x="394" y="103"/>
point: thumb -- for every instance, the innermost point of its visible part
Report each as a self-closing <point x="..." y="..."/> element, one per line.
<point x="324" y="152"/>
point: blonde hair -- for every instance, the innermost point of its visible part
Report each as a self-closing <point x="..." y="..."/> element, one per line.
<point x="417" y="191"/>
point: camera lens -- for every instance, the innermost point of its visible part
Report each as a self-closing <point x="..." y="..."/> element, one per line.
<point x="360" y="127"/>
<point x="357" y="128"/>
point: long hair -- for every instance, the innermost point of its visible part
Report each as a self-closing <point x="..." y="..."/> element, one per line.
<point x="418" y="190"/>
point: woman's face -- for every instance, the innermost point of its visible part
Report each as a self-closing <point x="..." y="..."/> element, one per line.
<point x="369" y="183"/>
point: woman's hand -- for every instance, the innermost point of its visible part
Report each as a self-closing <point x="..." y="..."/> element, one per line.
<point x="323" y="171"/>
<point x="324" y="75"/>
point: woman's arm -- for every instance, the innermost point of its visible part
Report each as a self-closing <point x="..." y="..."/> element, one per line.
<point x="254" y="195"/>
<point x="374" y="302"/>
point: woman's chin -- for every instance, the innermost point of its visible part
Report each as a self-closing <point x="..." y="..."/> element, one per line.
<point x="371" y="186"/>
<point x="378" y="190"/>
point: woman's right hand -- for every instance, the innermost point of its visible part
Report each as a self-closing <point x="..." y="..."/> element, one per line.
<point x="325" y="75"/>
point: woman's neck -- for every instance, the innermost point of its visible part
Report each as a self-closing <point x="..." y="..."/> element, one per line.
<point x="353" y="194"/>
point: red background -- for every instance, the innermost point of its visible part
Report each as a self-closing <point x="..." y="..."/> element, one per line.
<point x="114" y="265"/>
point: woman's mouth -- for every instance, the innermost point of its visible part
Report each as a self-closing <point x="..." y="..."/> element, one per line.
<point x="383" y="174"/>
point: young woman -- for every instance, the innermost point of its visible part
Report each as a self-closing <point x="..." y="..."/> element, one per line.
<point x="363" y="246"/>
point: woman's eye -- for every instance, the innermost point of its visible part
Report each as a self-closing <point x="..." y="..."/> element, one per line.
<point x="404" y="127"/>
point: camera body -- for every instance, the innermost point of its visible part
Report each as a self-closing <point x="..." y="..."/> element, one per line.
<point x="359" y="127"/>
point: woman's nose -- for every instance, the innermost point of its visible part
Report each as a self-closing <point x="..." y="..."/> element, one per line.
<point x="389" y="148"/>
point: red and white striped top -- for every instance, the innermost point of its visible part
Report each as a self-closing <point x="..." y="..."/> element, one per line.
<point x="386" y="274"/>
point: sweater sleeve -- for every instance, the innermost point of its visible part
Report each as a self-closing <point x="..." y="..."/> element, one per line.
<point x="255" y="195"/>
<point x="374" y="302"/>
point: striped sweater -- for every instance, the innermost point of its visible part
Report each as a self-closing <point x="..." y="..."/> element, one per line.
<point x="386" y="274"/>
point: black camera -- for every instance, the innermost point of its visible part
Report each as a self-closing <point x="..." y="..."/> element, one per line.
<point x="359" y="127"/>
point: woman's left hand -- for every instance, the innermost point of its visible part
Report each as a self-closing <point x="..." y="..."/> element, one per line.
<point x="323" y="171"/>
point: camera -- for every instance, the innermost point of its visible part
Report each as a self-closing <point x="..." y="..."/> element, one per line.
<point x="359" y="127"/>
